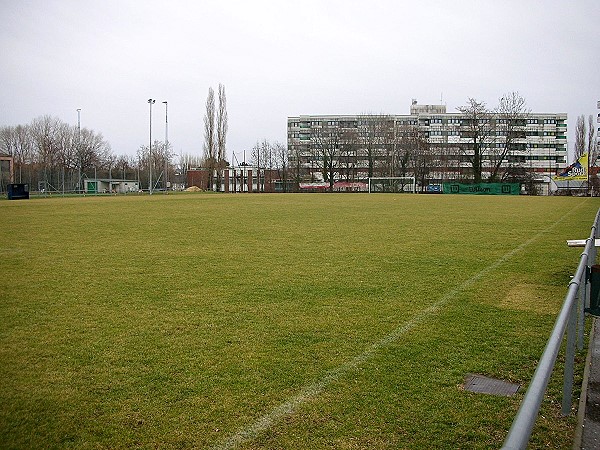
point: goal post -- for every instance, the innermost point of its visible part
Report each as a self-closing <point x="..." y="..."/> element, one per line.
<point x="392" y="184"/>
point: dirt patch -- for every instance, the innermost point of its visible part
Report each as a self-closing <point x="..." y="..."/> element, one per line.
<point x="529" y="297"/>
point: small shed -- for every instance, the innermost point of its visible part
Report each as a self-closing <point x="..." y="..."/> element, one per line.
<point x="110" y="185"/>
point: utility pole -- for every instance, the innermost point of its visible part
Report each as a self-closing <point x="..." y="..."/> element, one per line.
<point x="151" y="102"/>
<point x="79" y="149"/>
<point x="166" y="146"/>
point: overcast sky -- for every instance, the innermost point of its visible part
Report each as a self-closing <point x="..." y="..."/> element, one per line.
<point x="286" y="58"/>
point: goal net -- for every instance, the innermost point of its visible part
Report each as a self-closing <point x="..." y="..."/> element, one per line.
<point x="392" y="184"/>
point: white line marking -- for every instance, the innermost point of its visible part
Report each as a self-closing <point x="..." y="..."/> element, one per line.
<point x="313" y="390"/>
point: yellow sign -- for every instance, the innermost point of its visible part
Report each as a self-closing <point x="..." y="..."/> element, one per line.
<point x="576" y="171"/>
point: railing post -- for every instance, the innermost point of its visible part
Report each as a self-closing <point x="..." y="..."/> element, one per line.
<point x="580" y="315"/>
<point x="569" y="361"/>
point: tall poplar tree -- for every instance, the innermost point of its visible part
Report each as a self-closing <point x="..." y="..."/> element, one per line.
<point x="221" y="134"/>
<point x="210" y="156"/>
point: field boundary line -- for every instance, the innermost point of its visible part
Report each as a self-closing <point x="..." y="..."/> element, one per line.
<point x="311" y="391"/>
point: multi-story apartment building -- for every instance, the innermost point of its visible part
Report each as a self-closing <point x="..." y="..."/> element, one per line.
<point x="598" y="133"/>
<point x="429" y="143"/>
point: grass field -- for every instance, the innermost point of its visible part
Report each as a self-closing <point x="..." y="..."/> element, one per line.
<point x="278" y="321"/>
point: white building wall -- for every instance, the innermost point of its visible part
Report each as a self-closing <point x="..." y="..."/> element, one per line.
<point x="544" y="133"/>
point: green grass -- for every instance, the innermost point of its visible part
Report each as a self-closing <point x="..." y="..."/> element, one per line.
<point x="176" y="321"/>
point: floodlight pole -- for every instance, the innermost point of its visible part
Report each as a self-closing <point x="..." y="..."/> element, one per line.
<point x="151" y="102"/>
<point x="79" y="148"/>
<point x="166" y="145"/>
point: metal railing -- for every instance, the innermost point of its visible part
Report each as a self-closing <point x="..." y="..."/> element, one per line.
<point x="571" y="318"/>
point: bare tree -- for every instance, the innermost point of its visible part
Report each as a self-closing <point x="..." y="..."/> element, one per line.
<point x="408" y="139"/>
<point x="510" y="122"/>
<point x="221" y="134"/>
<point x="580" y="137"/>
<point x="160" y="157"/>
<point x="210" y="154"/>
<point x="263" y="157"/>
<point x="23" y="149"/>
<point x="282" y="163"/>
<point x="374" y="133"/>
<point x="66" y="154"/>
<point x="591" y="140"/>
<point x="44" y="132"/>
<point x="328" y="142"/>
<point x="295" y="154"/>
<point x="93" y="149"/>
<point x="187" y="162"/>
<point x="17" y="142"/>
<point x="585" y="138"/>
<point x="125" y="165"/>
<point x="479" y="130"/>
<point x="259" y="155"/>
<point x="349" y="149"/>
<point x="421" y="159"/>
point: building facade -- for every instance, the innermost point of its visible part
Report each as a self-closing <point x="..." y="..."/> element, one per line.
<point x="238" y="179"/>
<point x="430" y="144"/>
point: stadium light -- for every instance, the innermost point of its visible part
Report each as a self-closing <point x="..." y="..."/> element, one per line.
<point x="151" y="102"/>
<point x="166" y="144"/>
<point x="79" y="150"/>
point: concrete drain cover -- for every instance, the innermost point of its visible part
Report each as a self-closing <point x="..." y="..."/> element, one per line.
<point x="485" y="385"/>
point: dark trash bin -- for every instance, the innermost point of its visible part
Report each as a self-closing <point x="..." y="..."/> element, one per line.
<point x="18" y="191"/>
<point x="594" y="308"/>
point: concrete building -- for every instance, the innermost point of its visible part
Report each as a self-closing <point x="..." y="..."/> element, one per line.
<point x="238" y="179"/>
<point x="429" y="143"/>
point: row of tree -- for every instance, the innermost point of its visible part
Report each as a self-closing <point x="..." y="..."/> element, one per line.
<point x="215" y="136"/>
<point x="51" y="155"/>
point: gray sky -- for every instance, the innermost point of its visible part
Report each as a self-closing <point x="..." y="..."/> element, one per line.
<point x="287" y="58"/>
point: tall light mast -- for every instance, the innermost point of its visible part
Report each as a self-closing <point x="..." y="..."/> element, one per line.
<point x="166" y="145"/>
<point x="151" y="102"/>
